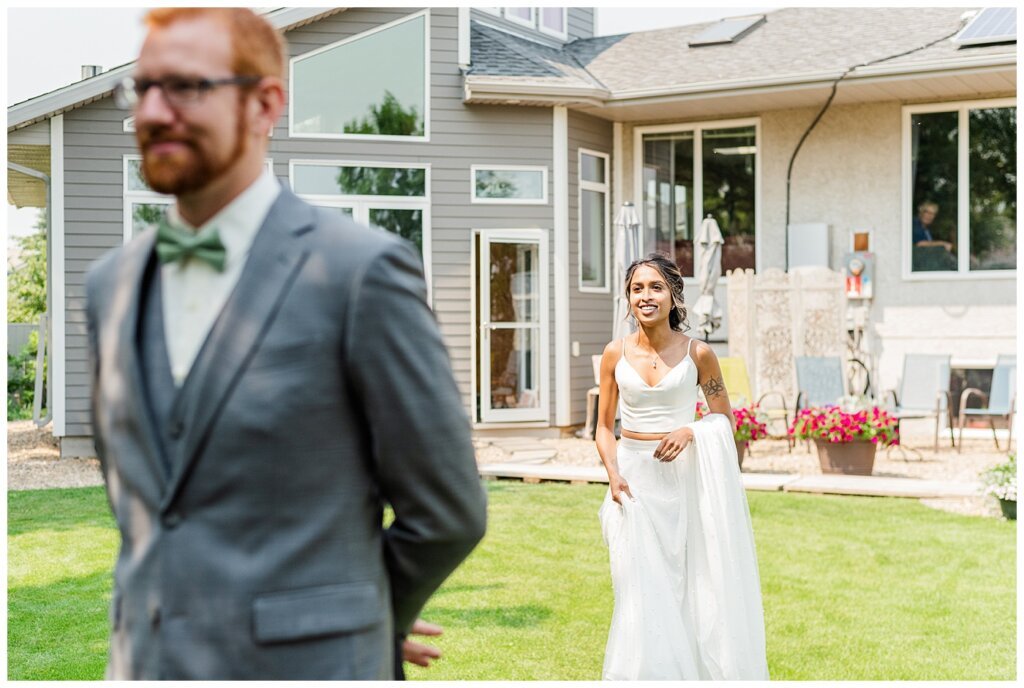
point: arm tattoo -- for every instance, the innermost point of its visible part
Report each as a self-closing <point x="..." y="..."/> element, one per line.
<point x="713" y="387"/>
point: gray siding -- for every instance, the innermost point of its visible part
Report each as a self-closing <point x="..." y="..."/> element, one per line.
<point x="460" y="136"/>
<point x="581" y="22"/>
<point x="590" y="315"/>
<point x="94" y="143"/>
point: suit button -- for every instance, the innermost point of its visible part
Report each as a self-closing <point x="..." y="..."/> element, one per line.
<point x="172" y="519"/>
<point x="154" y="616"/>
<point x="177" y="429"/>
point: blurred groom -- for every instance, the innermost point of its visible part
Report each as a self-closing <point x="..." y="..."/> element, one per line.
<point x="266" y="378"/>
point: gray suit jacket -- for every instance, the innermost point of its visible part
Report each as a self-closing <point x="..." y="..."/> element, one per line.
<point x="322" y="393"/>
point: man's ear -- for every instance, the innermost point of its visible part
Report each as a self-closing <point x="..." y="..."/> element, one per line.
<point x="269" y="103"/>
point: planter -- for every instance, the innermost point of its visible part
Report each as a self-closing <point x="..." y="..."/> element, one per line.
<point x="850" y="458"/>
<point x="1009" y="507"/>
<point x="741" y="451"/>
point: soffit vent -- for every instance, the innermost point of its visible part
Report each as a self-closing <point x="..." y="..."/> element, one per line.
<point x="727" y="31"/>
<point x="991" y="25"/>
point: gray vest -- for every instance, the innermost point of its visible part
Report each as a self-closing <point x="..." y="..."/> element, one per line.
<point x="157" y="378"/>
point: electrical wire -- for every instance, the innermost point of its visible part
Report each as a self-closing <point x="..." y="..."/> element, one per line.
<point x="828" y="102"/>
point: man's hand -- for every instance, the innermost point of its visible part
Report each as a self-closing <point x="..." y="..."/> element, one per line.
<point x="418" y="653"/>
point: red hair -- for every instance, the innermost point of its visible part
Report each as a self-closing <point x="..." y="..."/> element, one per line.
<point x="257" y="48"/>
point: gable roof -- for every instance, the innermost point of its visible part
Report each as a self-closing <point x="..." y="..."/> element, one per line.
<point x="83" y="92"/>
<point x="792" y="46"/>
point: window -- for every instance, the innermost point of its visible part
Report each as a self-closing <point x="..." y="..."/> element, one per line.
<point x="960" y="211"/>
<point x="373" y="85"/>
<point x="688" y="174"/>
<point x="392" y="197"/>
<point x="553" y="21"/>
<point x="520" y="15"/>
<point x="593" y="221"/>
<point x="144" y="207"/>
<point x="509" y="184"/>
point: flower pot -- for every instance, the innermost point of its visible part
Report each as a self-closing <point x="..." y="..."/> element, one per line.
<point x="741" y="451"/>
<point x="1009" y="507"/>
<point x="850" y="458"/>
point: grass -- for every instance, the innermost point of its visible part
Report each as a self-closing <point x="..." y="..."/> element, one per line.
<point x="854" y="588"/>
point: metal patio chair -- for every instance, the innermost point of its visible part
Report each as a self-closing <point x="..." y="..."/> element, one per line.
<point x="999" y="402"/>
<point x="819" y="380"/>
<point x="737" y="384"/>
<point x="924" y="391"/>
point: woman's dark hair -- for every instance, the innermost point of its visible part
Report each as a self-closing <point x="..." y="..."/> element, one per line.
<point x="670" y="273"/>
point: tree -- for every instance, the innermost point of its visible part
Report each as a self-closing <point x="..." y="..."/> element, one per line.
<point x="26" y="281"/>
<point x="388" y="118"/>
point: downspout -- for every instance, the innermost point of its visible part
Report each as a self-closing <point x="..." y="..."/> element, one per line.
<point x="44" y="320"/>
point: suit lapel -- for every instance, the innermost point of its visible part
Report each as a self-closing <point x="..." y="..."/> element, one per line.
<point x="124" y="323"/>
<point x="274" y="260"/>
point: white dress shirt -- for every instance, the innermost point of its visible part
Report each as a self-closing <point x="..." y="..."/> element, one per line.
<point x="193" y="291"/>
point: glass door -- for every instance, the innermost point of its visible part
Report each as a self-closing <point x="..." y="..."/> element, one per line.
<point x="513" y="326"/>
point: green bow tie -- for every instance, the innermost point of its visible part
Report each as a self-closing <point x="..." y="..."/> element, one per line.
<point x="173" y="244"/>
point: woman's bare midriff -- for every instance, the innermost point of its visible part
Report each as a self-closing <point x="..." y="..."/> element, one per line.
<point x="630" y="435"/>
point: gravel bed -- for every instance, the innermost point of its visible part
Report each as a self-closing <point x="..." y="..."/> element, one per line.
<point x="34" y="463"/>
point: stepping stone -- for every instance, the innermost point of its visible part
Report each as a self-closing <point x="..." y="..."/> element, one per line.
<point x="876" y="486"/>
<point x="767" y="482"/>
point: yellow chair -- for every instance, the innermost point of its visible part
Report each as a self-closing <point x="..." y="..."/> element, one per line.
<point x="737" y="384"/>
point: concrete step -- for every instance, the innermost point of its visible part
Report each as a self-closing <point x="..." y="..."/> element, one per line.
<point x="881" y="487"/>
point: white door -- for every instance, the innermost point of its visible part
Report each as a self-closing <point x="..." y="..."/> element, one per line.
<point x="513" y="325"/>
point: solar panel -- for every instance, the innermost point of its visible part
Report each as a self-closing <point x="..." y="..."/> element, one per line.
<point x="726" y="31"/>
<point x="991" y="25"/>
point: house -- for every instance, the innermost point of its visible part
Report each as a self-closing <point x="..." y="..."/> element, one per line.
<point x="501" y="141"/>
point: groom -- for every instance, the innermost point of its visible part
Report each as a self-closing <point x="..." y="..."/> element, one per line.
<point x="266" y="378"/>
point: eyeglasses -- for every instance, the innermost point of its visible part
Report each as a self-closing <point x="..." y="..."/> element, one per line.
<point x="178" y="90"/>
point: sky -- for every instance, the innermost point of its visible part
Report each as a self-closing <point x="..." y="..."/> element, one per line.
<point x="109" y="37"/>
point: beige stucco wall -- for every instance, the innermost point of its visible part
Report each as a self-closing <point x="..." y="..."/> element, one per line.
<point x="848" y="175"/>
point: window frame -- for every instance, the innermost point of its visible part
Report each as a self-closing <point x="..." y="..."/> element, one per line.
<point x="561" y="35"/>
<point x="543" y="169"/>
<point x="605" y="188"/>
<point x="532" y="23"/>
<point x="361" y="204"/>
<point x="425" y="138"/>
<point x="963" y="220"/>
<point x="697" y="128"/>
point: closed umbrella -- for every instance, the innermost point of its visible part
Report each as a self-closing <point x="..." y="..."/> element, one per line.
<point x="627" y="249"/>
<point x="707" y="310"/>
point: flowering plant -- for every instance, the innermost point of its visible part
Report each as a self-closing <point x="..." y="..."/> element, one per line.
<point x="748" y="427"/>
<point x="835" y="424"/>
<point x="1001" y="481"/>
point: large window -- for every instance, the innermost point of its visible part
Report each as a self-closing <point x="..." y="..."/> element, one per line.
<point x="960" y="211"/>
<point x="373" y="85"/>
<point x="553" y="21"/>
<point x="593" y="221"/>
<point x="521" y="15"/>
<point x="391" y="196"/>
<point x="689" y="173"/>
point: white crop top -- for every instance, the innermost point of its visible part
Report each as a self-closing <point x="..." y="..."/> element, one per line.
<point x="667" y="406"/>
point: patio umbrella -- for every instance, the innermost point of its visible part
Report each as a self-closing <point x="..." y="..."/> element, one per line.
<point x="707" y="310"/>
<point x="627" y="249"/>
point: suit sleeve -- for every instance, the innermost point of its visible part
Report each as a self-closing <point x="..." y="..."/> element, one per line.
<point x="92" y="325"/>
<point x="422" y="445"/>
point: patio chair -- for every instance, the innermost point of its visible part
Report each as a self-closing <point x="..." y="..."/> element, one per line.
<point x="593" y="394"/>
<point x="999" y="402"/>
<point x="819" y="380"/>
<point x="924" y="391"/>
<point x="737" y="384"/>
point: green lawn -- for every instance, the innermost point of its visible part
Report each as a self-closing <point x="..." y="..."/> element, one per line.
<point x="854" y="588"/>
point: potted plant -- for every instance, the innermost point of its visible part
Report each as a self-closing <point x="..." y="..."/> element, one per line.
<point x="1001" y="482"/>
<point x="748" y="427"/>
<point x="846" y="437"/>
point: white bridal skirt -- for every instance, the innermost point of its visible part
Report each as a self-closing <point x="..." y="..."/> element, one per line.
<point x="683" y="565"/>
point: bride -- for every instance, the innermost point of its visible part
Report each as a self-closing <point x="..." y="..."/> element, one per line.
<point x="675" y="519"/>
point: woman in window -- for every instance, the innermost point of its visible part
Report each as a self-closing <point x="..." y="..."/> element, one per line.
<point x="675" y="519"/>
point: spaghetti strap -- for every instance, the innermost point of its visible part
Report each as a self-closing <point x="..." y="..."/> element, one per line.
<point x="623" y="348"/>
<point x="688" y="345"/>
